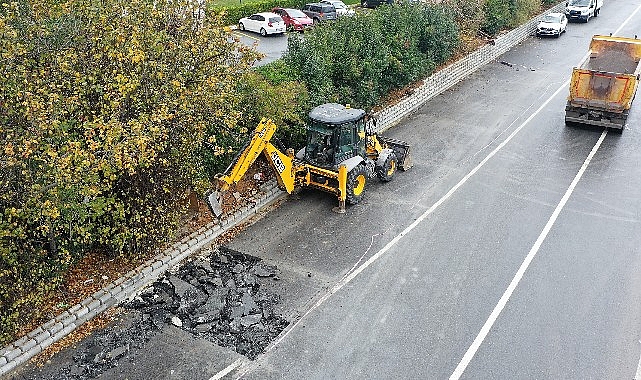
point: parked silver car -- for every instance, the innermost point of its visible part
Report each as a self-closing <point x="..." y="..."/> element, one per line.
<point x="320" y="12"/>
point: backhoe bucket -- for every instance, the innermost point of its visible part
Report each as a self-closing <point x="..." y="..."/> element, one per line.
<point x="214" y="201"/>
<point x="401" y="149"/>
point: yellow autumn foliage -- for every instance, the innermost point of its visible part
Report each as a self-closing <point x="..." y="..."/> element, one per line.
<point x="105" y="107"/>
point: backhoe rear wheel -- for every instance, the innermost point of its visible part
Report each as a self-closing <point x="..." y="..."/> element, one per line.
<point x="356" y="181"/>
<point x="386" y="172"/>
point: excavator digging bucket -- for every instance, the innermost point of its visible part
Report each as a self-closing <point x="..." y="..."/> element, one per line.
<point x="401" y="149"/>
<point x="214" y="200"/>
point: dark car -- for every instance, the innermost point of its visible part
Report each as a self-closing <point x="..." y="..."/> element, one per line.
<point x="320" y="12"/>
<point x="375" y="3"/>
<point x="295" y="19"/>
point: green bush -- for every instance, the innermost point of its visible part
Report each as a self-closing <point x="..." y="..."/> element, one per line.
<point x="503" y="14"/>
<point x="105" y="109"/>
<point x="359" y="60"/>
<point x="497" y="16"/>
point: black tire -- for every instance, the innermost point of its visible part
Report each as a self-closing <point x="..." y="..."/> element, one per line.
<point x="263" y="32"/>
<point x="316" y="21"/>
<point x="364" y="4"/>
<point x="386" y="172"/>
<point x="596" y="13"/>
<point x="356" y="181"/>
<point x="241" y="26"/>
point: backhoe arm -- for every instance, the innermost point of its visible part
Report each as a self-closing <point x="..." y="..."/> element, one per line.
<point x="263" y="133"/>
<point x="260" y="143"/>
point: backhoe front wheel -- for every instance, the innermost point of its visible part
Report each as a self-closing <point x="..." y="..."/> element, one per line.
<point x="356" y="181"/>
<point x="386" y="172"/>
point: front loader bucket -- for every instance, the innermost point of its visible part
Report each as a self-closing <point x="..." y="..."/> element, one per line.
<point x="401" y="149"/>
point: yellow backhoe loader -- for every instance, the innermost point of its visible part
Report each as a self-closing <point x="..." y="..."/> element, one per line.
<point x="342" y="153"/>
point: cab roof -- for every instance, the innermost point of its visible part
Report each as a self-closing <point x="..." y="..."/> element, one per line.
<point x="335" y="114"/>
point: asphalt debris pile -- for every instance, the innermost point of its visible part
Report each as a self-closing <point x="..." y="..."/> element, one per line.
<point x="218" y="298"/>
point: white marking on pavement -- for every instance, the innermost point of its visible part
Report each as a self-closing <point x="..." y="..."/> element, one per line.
<point x="626" y="21"/>
<point x="460" y="368"/>
<point x="471" y="351"/>
<point x="348" y="278"/>
<point x="228" y="369"/>
<point x="638" y="375"/>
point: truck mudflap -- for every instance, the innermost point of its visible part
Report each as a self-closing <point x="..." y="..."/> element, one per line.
<point x="401" y="149"/>
<point x="595" y="117"/>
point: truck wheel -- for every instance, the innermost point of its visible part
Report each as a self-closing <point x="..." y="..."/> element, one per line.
<point x="356" y="181"/>
<point x="386" y="172"/>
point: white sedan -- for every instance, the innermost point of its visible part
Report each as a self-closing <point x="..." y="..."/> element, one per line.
<point x="264" y="23"/>
<point x="552" y="24"/>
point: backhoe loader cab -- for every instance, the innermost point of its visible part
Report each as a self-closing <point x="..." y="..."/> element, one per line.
<point x="336" y="133"/>
<point x="341" y="155"/>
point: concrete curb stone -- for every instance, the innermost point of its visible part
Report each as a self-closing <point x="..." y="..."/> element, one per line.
<point x="127" y="286"/>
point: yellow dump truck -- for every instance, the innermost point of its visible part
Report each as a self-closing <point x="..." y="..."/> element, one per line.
<point x="603" y="87"/>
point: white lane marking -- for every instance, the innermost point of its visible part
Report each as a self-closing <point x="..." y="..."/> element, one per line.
<point x="471" y="351"/>
<point x="228" y="369"/>
<point x="347" y="279"/>
<point x="626" y="21"/>
<point x="460" y="368"/>
<point x="638" y="375"/>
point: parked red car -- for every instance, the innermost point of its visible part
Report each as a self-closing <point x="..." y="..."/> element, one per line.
<point x="294" y="19"/>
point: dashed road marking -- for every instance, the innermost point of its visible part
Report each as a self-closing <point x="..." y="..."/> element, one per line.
<point x="638" y="374"/>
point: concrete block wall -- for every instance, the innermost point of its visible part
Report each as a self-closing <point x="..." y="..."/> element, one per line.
<point x="124" y="288"/>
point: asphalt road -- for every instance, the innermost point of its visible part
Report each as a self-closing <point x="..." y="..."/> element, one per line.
<point x="511" y="250"/>
<point x="509" y="233"/>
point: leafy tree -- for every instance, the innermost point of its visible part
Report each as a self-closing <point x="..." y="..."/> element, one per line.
<point x="106" y="108"/>
<point x="360" y="59"/>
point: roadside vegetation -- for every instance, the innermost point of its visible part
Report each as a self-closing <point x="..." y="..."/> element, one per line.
<point x="113" y="112"/>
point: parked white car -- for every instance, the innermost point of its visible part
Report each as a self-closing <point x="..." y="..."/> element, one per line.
<point x="264" y="23"/>
<point x="552" y="24"/>
<point x="341" y="8"/>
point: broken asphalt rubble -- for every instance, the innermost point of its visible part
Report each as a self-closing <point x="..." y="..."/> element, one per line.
<point x="217" y="298"/>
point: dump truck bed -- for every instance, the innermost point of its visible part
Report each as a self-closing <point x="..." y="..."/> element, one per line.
<point x="603" y="87"/>
<point x="613" y="55"/>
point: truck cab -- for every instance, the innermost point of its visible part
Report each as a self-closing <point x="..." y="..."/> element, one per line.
<point x="582" y="10"/>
